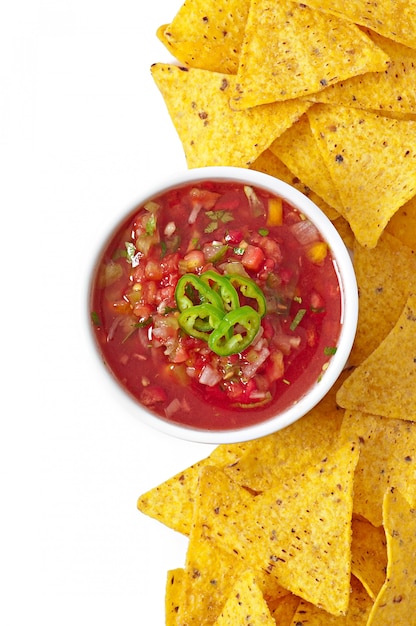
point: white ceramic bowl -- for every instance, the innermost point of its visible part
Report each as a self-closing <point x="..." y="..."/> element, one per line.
<point x="349" y="295"/>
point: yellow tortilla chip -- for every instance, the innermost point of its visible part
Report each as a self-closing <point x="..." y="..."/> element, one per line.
<point x="283" y="609"/>
<point x="172" y="502"/>
<point x="385" y="382"/>
<point x="392" y="89"/>
<point x="206" y="34"/>
<point x="385" y="274"/>
<point x="396" y="602"/>
<point x="395" y="20"/>
<point x="269" y="163"/>
<point x="173" y="595"/>
<point x="298" y="533"/>
<point x="403" y="224"/>
<point x="369" y="555"/>
<point x="211" y="570"/>
<point x="298" y="149"/>
<point x="344" y="230"/>
<point x="359" y="609"/>
<point x="387" y="456"/>
<point x="210" y="132"/>
<point x="290" y="50"/>
<point x="278" y="457"/>
<point x="245" y="604"/>
<point x="371" y="160"/>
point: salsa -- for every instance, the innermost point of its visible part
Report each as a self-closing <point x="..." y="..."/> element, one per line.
<point x="216" y="305"/>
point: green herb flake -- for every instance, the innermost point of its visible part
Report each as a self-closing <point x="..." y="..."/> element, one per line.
<point x="297" y="319"/>
<point x="263" y="232"/>
<point x="216" y="217"/>
<point x="330" y="350"/>
<point x="297" y="299"/>
<point x="239" y="250"/>
<point x="151" y="224"/>
<point x="95" y="318"/>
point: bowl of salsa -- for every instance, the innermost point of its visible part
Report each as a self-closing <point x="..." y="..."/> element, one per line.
<point x="223" y="306"/>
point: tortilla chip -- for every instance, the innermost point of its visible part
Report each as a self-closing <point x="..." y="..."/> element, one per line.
<point x="298" y="149"/>
<point x="210" y="132"/>
<point x="172" y="502"/>
<point x="278" y="457"/>
<point x="299" y="532"/>
<point x="290" y="50"/>
<point x="385" y="383"/>
<point x="371" y="160"/>
<point x="245" y="604"/>
<point x="358" y="611"/>
<point x="369" y="555"/>
<point x="269" y="163"/>
<point x="392" y="89"/>
<point x="211" y="570"/>
<point x="173" y="596"/>
<point x="396" y="602"/>
<point x="403" y="224"/>
<point x="207" y="35"/>
<point x="385" y="274"/>
<point x="387" y="457"/>
<point x="395" y="20"/>
<point x="283" y="609"/>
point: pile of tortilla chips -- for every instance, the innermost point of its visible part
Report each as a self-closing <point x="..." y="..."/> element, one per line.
<point x="314" y="524"/>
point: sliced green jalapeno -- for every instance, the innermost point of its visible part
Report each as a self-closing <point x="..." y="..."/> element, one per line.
<point x="235" y="332"/>
<point x="249" y="289"/>
<point x="191" y="290"/>
<point x="223" y="287"/>
<point x="200" y="320"/>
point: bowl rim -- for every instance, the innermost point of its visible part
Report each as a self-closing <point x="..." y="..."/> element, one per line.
<point x="349" y="295"/>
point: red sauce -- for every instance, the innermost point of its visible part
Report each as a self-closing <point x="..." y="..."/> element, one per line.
<point x="225" y="227"/>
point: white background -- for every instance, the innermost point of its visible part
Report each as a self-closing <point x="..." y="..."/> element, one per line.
<point x="83" y="129"/>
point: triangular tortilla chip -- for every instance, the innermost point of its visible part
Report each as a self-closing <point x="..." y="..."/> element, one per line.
<point x="360" y="604"/>
<point x="207" y="36"/>
<point x="298" y="533"/>
<point x="385" y="383"/>
<point x="211" y="133"/>
<point x="392" y="89"/>
<point x="396" y="602"/>
<point x="387" y="456"/>
<point x="290" y="50"/>
<point x="371" y="160"/>
<point x="172" y="502"/>
<point x="245" y="604"/>
<point x="395" y="20"/>
<point x="384" y="276"/>
<point x="270" y="164"/>
<point x="298" y="149"/>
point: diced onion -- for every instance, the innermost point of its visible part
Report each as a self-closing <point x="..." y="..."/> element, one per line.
<point x="209" y="376"/>
<point x="305" y="232"/>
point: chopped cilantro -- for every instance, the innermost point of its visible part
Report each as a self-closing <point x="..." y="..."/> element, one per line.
<point x="329" y="350"/>
<point x="95" y="318"/>
<point x="263" y="232"/>
<point x="297" y="319"/>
